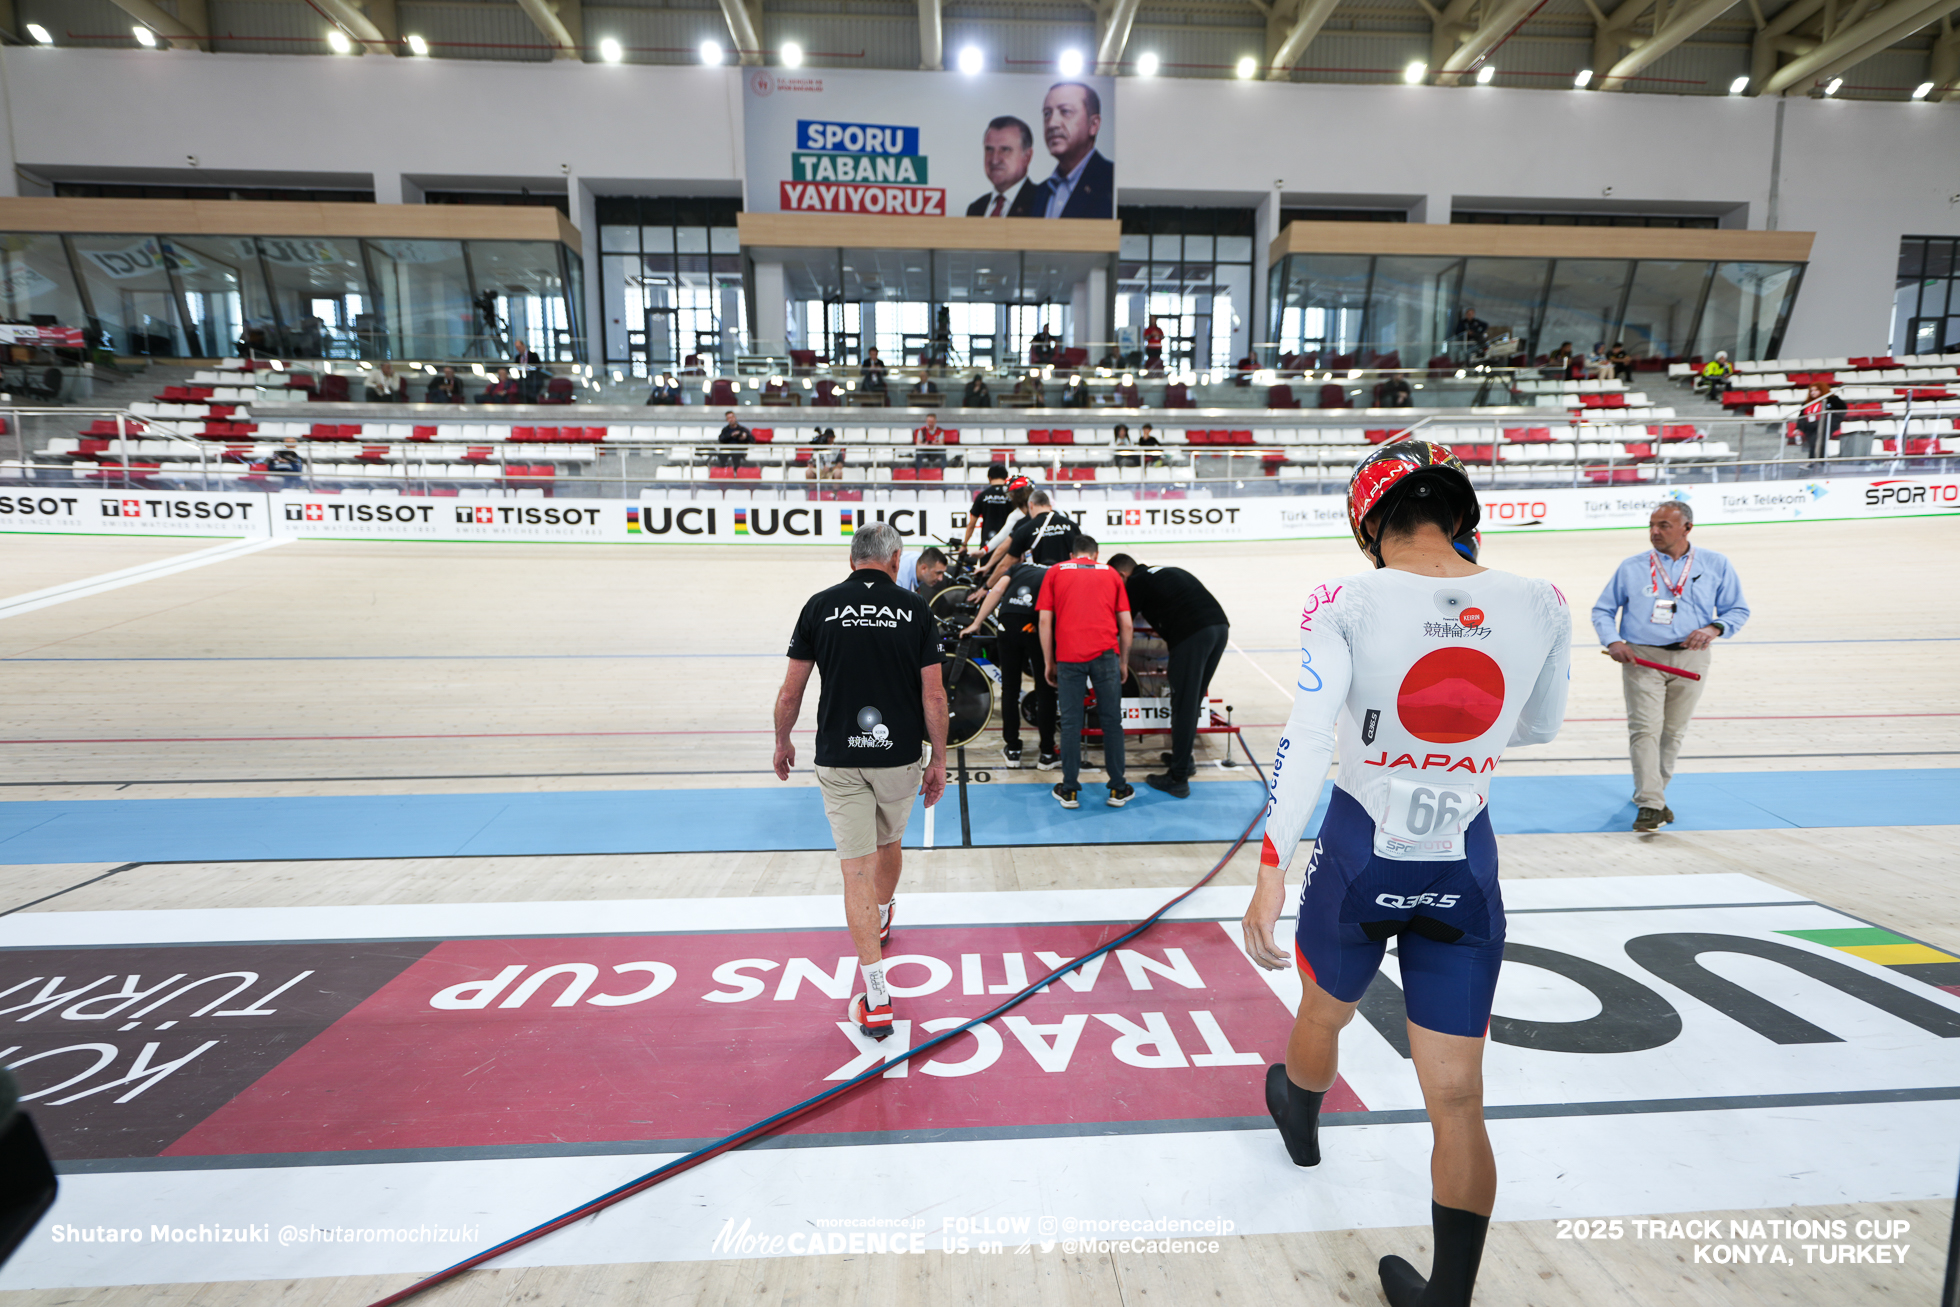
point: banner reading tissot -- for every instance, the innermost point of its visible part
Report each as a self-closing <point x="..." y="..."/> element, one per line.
<point x="930" y="144"/>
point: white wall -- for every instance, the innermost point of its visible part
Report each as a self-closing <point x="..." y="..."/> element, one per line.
<point x="1859" y="174"/>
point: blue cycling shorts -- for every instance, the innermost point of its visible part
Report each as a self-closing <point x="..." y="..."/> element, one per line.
<point x="1446" y="917"/>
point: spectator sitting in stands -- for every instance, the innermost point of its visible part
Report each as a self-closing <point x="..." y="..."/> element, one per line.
<point x="1120" y="439"/>
<point x="444" y="388"/>
<point x="501" y="390"/>
<point x="732" y="433"/>
<point x="872" y="375"/>
<point x="1146" y="438"/>
<point x="929" y="434"/>
<point x="1818" y="419"/>
<point x="286" y="461"/>
<point x="1620" y="361"/>
<point x="1472" y="330"/>
<point x="666" y="390"/>
<point x="923" y="386"/>
<point x="384" y="387"/>
<point x="1395" y="392"/>
<point x="1559" y="362"/>
<point x="1041" y="350"/>
<point x="1242" y="374"/>
<point x="826" y="461"/>
<point x="976" y="394"/>
<point x="1598" y="364"/>
<point x="1027" y="391"/>
<point x="1715" y="374"/>
<point x="1110" y="359"/>
<point x="1075" y="395"/>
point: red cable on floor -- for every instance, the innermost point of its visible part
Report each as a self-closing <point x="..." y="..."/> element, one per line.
<point x="751" y="1133"/>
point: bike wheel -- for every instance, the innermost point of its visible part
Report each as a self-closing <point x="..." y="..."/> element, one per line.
<point x="969" y="701"/>
<point x="946" y="601"/>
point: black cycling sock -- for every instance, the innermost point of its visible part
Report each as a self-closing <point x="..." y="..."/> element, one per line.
<point x="1296" y="1112"/>
<point x="1452" y="1275"/>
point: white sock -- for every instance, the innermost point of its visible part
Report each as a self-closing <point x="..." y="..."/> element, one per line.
<point x="885" y="913"/>
<point x="875" y="993"/>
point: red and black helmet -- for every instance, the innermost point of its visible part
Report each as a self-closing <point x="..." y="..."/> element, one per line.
<point x="1412" y="466"/>
<point x="1019" y="483"/>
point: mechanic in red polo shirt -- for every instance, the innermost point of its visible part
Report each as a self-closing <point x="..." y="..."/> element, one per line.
<point x="1084" y="615"/>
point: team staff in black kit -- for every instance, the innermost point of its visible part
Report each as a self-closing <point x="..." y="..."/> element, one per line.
<point x="1193" y="623"/>
<point x="1013" y="596"/>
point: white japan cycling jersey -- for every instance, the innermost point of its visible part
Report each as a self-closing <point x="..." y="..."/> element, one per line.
<point x="1431" y="679"/>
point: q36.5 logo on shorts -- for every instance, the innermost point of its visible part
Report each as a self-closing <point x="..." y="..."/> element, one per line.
<point x="1403" y="903"/>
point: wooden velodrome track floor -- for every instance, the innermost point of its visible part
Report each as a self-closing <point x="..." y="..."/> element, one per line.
<point x="325" y="668"/>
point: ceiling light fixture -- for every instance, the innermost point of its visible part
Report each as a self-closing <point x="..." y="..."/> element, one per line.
<point x="1584" y="79"/>
<point x="1739" y="85"/>
<point x="1831" y="88"/>
<point x="711" y="53"/>
<point x="1246" y="68"/>
<point x="1415" y="72"/>
<point x="338" y="41"/>
<point x="145" y="37"/>
<point x="416" y="45"/>
<point x="610" y="50"/>
<point x="1146" y="64"/>
<point x="971" y="60"/>
<point x="792" y="55"/>
<point x="39" y="33"/>
<point x="1485" y="73"/>
<point x="1922" y="90"/>
<point x="1070" y="63"/>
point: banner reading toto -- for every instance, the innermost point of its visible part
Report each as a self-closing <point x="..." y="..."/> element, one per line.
<point x="678" y="518"/>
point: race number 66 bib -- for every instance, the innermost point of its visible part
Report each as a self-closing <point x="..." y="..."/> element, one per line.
<point x="1424" y="821"/>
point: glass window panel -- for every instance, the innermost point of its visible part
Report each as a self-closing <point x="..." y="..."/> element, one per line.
<point x="1912" y="261"/>
<point x="1199" y="248"/>
<point x="424" y="296"/>
<point x="1231" y="318"/>
<point x="1413" y="308"/>
<point x="1166" y="247"/>
<point x="319" y="287"/>
<point x="131" y="292"/>
<point x="1661" y="309"/>
<point x="1322" y="298"/>
<point x="527" y="289"/>
<point x="656" y="240"/>
<point x="224" y="293"/>
<point x="691" y="240"/>
<point x="1745" y="308"/>
<point x="619" y="240"/>
<point x="725" y="240"/>
<point x="1507" y="295"/>
<point x="1134" y="247"/>
<point x="1580" y="310"/>
<point x="36" y="281"/>
<point x="1939" y="259"/>
<point x="1235" y="249"/>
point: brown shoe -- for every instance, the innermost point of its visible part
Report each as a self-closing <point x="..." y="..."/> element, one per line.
<point x="1649" y="820"/>
<point x="1667" y="815"/>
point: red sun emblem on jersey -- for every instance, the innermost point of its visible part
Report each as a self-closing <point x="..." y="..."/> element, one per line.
<point x="1450" y="696"/>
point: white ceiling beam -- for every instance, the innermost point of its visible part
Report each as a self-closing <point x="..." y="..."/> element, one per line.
<point x="1307" y="22"/>
<point x="545" y="18"/>
<point x="742" y="29"/>
<point x="1892" y="23"/>
<point x="932" y="37"/>
<point x="162" y="22"/>
<point x="1773" y="39"/>
<point x="1683" y="24"/>
<point x="1115" y="22"/>
<point x="1500" y="19"/>
<point x="353" y="20"/>
<point x="1943" y="70"/>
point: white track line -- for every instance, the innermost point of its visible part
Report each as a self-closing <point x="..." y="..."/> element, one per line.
<point x="95" y="585"/>
<point x="1285" y="693"/>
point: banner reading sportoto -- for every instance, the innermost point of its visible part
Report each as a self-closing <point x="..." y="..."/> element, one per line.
<point x="930" y="144"/>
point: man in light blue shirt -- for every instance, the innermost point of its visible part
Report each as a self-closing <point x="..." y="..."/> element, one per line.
<point x="919" y="570"/>
<point x="1670" y="604"/>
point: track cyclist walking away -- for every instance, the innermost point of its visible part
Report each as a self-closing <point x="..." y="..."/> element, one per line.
<point x="1427" y="668"/>
<point x="882" y="703"/>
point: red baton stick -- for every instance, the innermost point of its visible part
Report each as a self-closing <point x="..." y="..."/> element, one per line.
<point x="1662" y="667"/>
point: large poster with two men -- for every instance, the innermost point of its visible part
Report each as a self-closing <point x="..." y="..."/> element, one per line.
<point x="1002" y="145"/>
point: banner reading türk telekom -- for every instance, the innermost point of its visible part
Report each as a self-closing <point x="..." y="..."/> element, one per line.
<point x="930" y="144"/>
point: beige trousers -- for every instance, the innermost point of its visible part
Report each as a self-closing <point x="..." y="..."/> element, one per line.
<point x="1659" y="707"/>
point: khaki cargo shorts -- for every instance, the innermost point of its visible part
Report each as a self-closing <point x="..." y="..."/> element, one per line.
<point x="868" y="806"/>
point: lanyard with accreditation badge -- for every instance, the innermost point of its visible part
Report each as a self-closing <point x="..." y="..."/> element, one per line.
<point x="1667" y="595"/>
